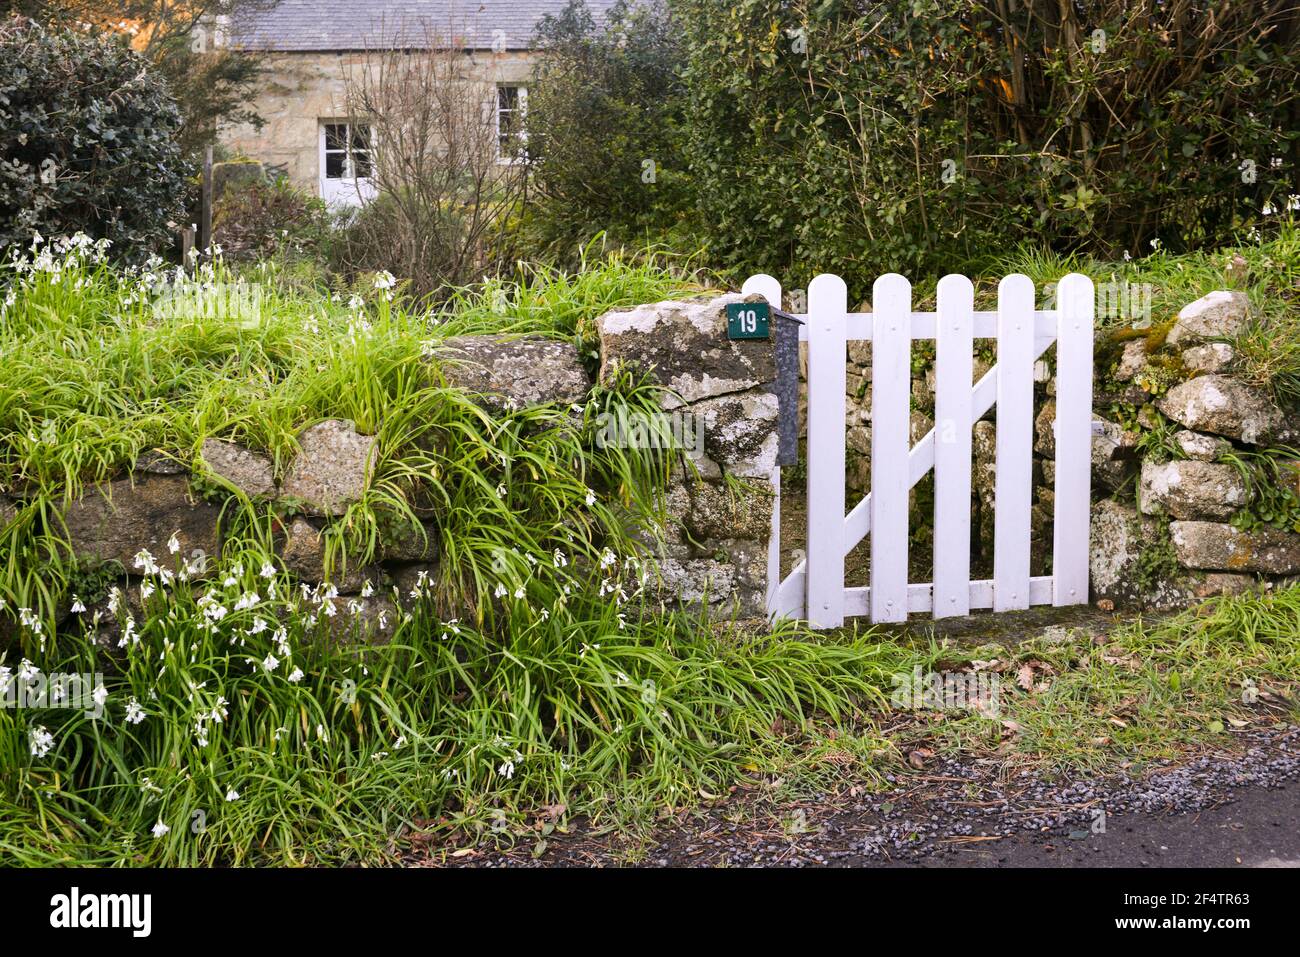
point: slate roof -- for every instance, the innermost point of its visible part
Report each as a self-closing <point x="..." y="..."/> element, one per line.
<point x="325" y="25"/>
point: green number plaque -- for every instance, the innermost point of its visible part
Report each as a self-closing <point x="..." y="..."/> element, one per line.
<point x="748" y="320"/>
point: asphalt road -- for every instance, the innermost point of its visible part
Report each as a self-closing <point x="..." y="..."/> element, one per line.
<point x="1258" y="828"/>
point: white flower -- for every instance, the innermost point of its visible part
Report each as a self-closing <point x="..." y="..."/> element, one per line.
<point x="100" y="695"/>
<point x="591" y="497"/>
<point x="367" y="589"/>
<point x="160" y="829"/>
<point x="268" y="570"/>
<point x="501" y="490"/>
<point x="134" y="713"/>
<point x="560" y="559"/>
<point x="385" y="280"/>
<point x="77" y="606"/>
<point x="145" y="562"/>
<point x="41" y="741"/>
<point x="296" y="675"/>
<point x="232" y="795"/>
<point x="500" y="591"/>
<point x="271" y="663"/>
<point x="173" y="544"/>
<point x="507" y="769"/>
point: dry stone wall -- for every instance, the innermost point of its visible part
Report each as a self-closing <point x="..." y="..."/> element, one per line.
<point x="712" y="550"/>
<point x="1189" y="526"/>
<point x="715" y="547"/>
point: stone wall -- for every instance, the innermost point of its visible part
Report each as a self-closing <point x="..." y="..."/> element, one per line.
<point x="716" y="546"/>
<point x="1185" y="527"/>
<point x="713" y="549"/>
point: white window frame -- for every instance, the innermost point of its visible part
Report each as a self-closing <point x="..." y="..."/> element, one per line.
<point x="521" y="110"/>
<point x="350" y="189"/>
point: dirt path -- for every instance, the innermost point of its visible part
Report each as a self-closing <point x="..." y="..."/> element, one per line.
<point x="1234" y="808"/>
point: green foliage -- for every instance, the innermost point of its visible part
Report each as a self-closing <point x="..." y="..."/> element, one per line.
<point x="547" y="299"/>
<point x="1272" y="480"/>
<point x="919" y="137"/>
<point x="1263" y="262"/>
<point x="88" y="137"/>
<point x="256" y="220"/>
<point x="1157" y="563"/>
<point x="212" y="85"/>
<point x="605" y="137"/>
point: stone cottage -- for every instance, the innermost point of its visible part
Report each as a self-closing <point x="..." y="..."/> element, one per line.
<point x="308" y="47"/>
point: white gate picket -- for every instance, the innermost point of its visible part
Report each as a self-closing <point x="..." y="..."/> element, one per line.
<point x="953" y="369"/>
<point x="891" y="389"/>
<point x="1075" y="305"/>
<point x="815" y="587"/>
<point x="770" y="289"/>
<point x="828" y="299"/>
<point x="1013" y="488"/>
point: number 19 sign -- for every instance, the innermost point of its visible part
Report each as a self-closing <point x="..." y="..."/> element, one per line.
<point x="748" y="320"/>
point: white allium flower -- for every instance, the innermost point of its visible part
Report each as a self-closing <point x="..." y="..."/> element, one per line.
<point x="134" y="713"/>
<point x="41" y="741"/>
<point x="232" y="795"/>
<point x="173" y="544"/>
<point x="160" y="829"/>
<point x="296" y="675"/>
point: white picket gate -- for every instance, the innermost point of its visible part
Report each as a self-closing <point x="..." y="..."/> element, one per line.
<point x="815" y="588"/>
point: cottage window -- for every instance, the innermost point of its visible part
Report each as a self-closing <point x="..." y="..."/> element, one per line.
<point x="347" y="150"/>
<point x="512" y="101"/>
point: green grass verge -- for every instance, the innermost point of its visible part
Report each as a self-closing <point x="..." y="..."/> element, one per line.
<point x="1149" y="689"/>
